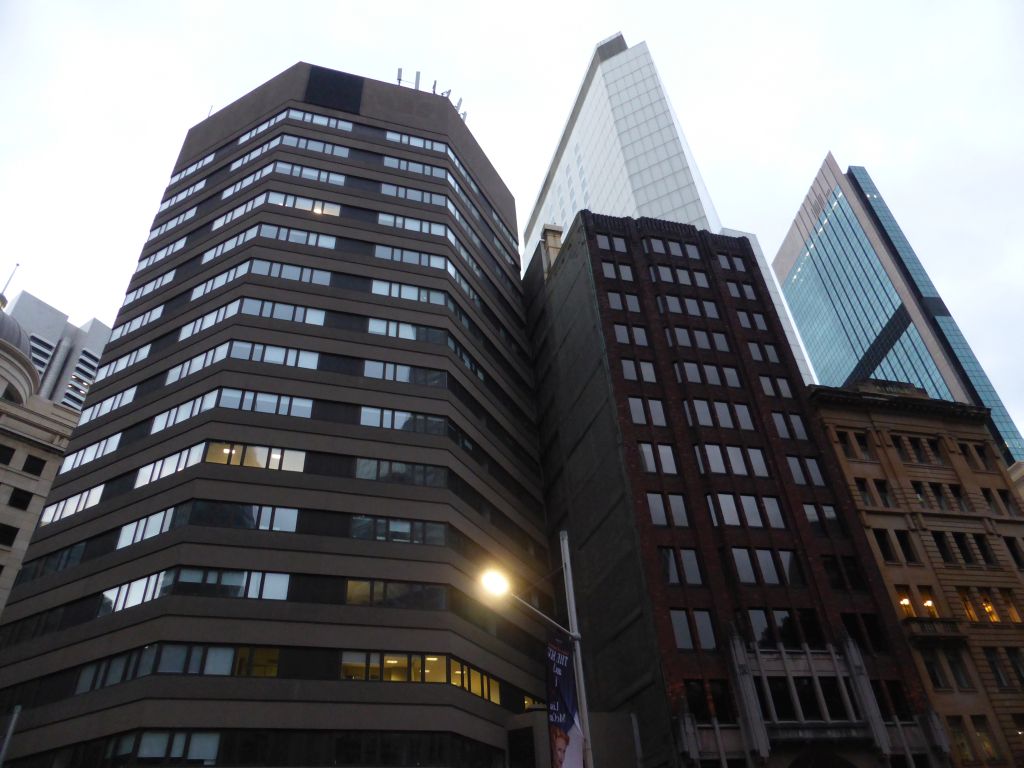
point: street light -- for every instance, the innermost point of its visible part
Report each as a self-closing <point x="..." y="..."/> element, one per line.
<point x="496" y="583"/>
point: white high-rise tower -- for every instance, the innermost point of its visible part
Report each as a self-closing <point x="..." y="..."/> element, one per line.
<point x="622" y="152"/>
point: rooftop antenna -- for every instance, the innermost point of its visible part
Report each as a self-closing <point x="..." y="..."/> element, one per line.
<point x="3" y="293"/>
<point x="433" y="88"/>
<point x="417" y="79"/>
<point x="458" y="106"/>
<point x="399" y="75"/>
<point x="209" y="111"/>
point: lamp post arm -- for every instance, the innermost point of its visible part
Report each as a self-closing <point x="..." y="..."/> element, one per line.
<point x="572" y="635"/>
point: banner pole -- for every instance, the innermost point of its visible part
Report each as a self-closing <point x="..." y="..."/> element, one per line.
<point x="574" y="633"/>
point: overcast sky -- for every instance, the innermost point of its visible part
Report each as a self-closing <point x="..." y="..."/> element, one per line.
<point x="97" y="97"/>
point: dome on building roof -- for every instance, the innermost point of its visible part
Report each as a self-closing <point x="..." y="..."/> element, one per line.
<point x="14" y="334"/>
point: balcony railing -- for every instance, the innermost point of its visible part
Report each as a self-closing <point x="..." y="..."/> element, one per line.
<point x="931" y="631"/>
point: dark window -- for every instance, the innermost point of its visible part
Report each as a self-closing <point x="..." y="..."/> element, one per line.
<point x="981" y="542"/>
<point x="942" y="544"/>
<point x="20" y="499"/>
<point x="759" y="630"/>
<point x="808" y="698"/>
<point x="833" y="698"/>
<point x="697" y="701"/>
<point x="786" y="626"/>
<point x="8" y="533"/>
<point x="1014" y="549"/>
<point x="955" y="659"/>
<point x="854" y="575"/>
<point x="722" y="701"/>
<point x="6" y="454"/>
<point x="812" y="629"/>
<point x="34" y="465"/>
<point x="885" y="545"/>
<point x="874" y="632"/>
<point x="907" y="547"/>
<point x="995" y="665"/>
<point x="964" y="547"/>
<point x="784" y="709"/>
<point x="830" y="563"/>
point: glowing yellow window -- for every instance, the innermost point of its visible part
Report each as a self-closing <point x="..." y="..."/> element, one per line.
<point x="928" y="601"/>
<point x="989" y="607"/>
<point x="435" y="669"/>
<point x="903" y="600"/>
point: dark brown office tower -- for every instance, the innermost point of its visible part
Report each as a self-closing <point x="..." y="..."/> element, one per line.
<point x="312" y="428"/>
<point x="726" y="590"/>
<point x="947" y="532"/>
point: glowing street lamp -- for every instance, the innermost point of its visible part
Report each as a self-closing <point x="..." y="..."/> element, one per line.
<point x="497" y="584"/>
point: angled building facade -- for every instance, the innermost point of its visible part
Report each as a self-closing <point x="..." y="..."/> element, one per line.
<point x="722" y="576"/>
<point x="312" y="429"/>
<point x="865" y="306"/>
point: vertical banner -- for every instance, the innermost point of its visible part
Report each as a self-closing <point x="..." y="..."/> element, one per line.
<point x="563" y="714"/>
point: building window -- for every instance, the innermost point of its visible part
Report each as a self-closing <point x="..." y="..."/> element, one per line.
<point x="928" y="602"/>
<point x="670" y="568"/>
<point x="933" y="666"/>
<point x="984" y="737"/>
<point x="744" y="566"/>
<point x="967" y="603"/>
<point x="647" y="457"/>
<point x="681" y="630"/>
<point x="981" y="542"/>
<point x="885" y="545"/>
<point x="656" y="509"/>
<point x="960" y="539"/>
<point x="906" y="545"/>
<point x="1011" y="605"/>
<point x="691" y="567"/>
<point x="34" y="465"/>
<point x="906" y="605"/>
<point x="20" y="498"/>
<point x="959" y="743"/>
<point x="942" y="544"/>
<point x="1013" y="548"/>
<point x="1016" y="658"/>
<point x="955" y="659"/>
<point x="995" y="665"/>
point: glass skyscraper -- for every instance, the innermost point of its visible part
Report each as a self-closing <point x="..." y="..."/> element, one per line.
<point x="623" y="153"/>
<point x="865" y="306"/>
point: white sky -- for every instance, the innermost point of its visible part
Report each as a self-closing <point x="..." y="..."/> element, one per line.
<point x="928" y="95"/>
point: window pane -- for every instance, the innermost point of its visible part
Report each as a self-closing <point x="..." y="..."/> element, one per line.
<point x="744" y="566"/>
<point x="691" y="568"/>
<point x="656" y="506"/>
<point x="668" y="459"/>
<point x="681" y="629"/>
<point x="677" y="508"/>
<point x="705" y="630"/>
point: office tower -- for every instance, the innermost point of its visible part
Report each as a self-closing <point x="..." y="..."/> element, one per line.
<point x="719" y="566"/>
<point x="623" y="153"/>
<point x="865" y="306"/>
<point x="65" y="355"/>
<point x="33" y="435"/>
<point x="311" y="430"/>
<point x="947" y="532"/>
